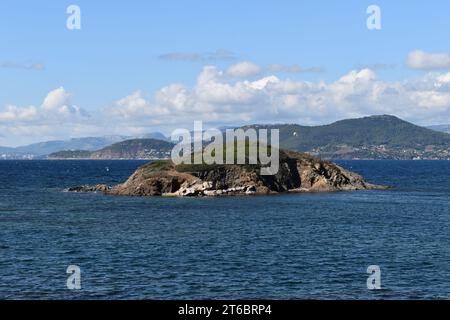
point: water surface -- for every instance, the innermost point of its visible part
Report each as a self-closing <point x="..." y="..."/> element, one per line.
<point x="270" y="247"/>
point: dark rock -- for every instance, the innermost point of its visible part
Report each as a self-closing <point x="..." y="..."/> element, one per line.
<point x="297" y="173"/>
<point x="96" y="188"/>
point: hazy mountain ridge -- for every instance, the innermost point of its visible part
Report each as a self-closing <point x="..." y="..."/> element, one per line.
<point x="375" y="137"/>
<point x="147" y="149"/>
<point x="42" y="149"/>
<point x="442" y="128"/>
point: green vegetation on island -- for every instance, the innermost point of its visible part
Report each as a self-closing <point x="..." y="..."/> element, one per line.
<point x="147" y="149"/>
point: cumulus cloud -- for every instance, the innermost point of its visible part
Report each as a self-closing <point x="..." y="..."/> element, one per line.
<point x="58" y="101"/>
<point x="421" y="60"/>
<point x="218" y="98"/>
<point x="55" y="107"/>
<point x="249" y="69"/>
<point x="13" y="113"/>
<point x="54" y="119"/>
<point x="136" y="104"/>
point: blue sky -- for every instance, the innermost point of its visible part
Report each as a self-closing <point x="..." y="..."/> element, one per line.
<point x="114" y="70"/>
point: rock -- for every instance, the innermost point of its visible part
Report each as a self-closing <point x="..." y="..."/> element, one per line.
<point x="207" y="185"/>
<point x="209" y="193"/>
<point x="97" y="188"/>
<point x="250" y="190"/>
<point x="298" y="173"/>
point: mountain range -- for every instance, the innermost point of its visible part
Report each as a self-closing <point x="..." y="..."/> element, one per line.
<point x="374" y="137"/>
<point x="442" y="128"/>
<point x="42" y="149"/>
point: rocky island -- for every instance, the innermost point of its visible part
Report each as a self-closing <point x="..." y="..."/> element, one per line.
<point x="298" y="172"/>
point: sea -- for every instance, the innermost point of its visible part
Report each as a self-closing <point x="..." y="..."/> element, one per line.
<point x="294" y="246"/>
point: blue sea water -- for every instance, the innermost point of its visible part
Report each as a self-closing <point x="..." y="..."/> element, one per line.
<point x="297" y="246"/>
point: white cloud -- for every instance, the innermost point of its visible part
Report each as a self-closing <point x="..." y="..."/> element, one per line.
<point x="13" y="113"/>
<point x="55" y="99"/>
<point x="55" y="107"/>
<point x="445" y="78"/>
<point x="58" y="101"/>
<point x="264" y="82"/>
<point x="133" y="104"/>
<point x="219" y="99"/>
<point x="244" y="69"/>
<point x="428" y="61"/>
<point x="136" y="105"/>
<point x="55" y="115"/>
<point x="249" y="69"/>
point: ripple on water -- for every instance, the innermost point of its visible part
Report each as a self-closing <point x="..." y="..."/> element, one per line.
<point x="310" y="246"/>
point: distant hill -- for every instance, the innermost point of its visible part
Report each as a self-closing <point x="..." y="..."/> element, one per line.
<point x="88" y="143"/>
<point x="375" y="137"/>
<point x="42" y="149"/>
<point x="6" y="149"/>
<point x="5" y="152"/>
<point x="129" y="149"/>
<point x="135" y="149"/>
<point x="442" y="128"/>
<point x="71" y="154"/>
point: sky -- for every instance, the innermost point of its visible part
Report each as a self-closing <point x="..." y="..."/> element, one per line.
<point x="142" y="66"/>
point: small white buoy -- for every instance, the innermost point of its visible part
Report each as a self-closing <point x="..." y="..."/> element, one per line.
<point x="107" y="169"/>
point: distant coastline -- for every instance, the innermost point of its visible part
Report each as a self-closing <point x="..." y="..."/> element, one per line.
<point x="370" y="138"/>
<point x="140" y="159"/>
